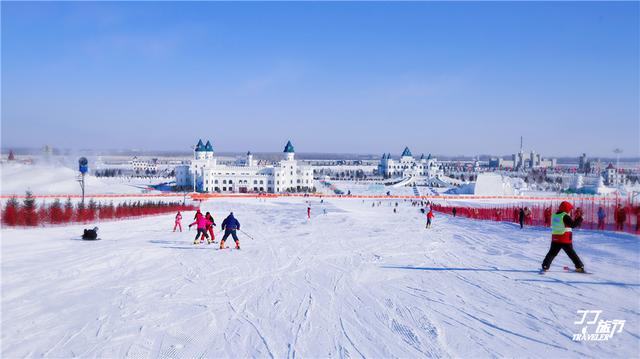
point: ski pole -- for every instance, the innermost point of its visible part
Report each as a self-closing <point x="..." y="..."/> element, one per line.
<point x="246" y="234"/>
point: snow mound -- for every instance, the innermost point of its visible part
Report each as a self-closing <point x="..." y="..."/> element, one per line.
<point x="491" y="184"/>
<point x="49" y="178"/>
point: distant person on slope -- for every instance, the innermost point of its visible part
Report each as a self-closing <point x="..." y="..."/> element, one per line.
<point x="308" y="212"/>
<point x="202" y="224"/>
<point x="561" y="237"/>
<point x="230" y="225"/>
<point x="429" y="217"/>
<point x="521" y="215"/>
<point x="621" y="217"/>
<point x="547" y="216"/>
<point x="178" y="223"/>
<point x="601" y="217"/>
<point x="210" y="226"/>
<point x="454" y="211"/>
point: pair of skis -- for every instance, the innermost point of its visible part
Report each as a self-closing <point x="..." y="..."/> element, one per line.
<point x="565" y="269"/>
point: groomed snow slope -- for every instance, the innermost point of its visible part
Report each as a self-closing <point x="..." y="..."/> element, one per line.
<point x="356" y="282"/>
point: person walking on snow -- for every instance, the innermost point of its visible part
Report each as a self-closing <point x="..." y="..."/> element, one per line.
<point x="202" y="224"/>
<point x="230" y="225"/>
<point x="521" y="217"/>
<point x="620" y="217"/>
<point x="561" y="237"/>
<point x="178" y="223"/>
<point x="601" y="217"/>
<point x="209" y="218"/>
<point x="429" y="217"/>
<point x="308" y="212"/>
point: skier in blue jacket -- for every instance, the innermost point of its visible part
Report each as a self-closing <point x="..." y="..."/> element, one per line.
<point x="230" y="225"/>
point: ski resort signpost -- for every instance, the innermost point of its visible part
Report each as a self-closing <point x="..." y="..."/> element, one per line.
<point x="83" y="165"/>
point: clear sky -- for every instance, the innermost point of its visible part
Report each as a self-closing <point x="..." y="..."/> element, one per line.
<point x="447" y="78"/>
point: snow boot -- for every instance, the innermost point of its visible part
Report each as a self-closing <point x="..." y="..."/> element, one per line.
<point x="579" y="270"/>
<point x="237" y="244"/>
<point x="221" y="244"/>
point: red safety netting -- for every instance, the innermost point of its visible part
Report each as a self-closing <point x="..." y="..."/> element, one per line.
<point x="618" y="215"/>
<point x="30" y="214"/>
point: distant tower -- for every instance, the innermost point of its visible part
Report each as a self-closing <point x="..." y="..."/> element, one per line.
<point x="12" y="157"/>
<point x="289" y="151"/>
<point x="199" y="151"/>
<point x="617" y="151"/>
<point x="249" y="159"/>
<point x="208" y="150"/>
<point x="521" y="148"/>
<point x="406" y="155"/>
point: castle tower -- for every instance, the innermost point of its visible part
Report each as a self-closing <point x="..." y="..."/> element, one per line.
<point x="208" y="150"/>
<point x="289" y="151"/>
<point x="249" y="159"/>
<point x="406" y="155"/>
<point x="199" y="151"/>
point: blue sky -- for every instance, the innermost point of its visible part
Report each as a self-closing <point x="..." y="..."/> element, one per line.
<point x="447" y="78"/>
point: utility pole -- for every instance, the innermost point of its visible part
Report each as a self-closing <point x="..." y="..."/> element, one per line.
<point x="83" y="165"/>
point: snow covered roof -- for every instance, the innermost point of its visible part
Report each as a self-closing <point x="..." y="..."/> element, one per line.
<point x="406" y="152"/>
<point x="289" y="148"/>
<point x="199" y="146"/>
<point x="208" y="147"/>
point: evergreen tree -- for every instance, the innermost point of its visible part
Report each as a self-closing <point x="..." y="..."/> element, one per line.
<point x="29" y="210"/>
<point x="10" y="213"/>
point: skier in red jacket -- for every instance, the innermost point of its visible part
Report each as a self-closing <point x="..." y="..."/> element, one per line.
<point x="561" y="237"/>
<point x="210" y="225"/>
<point x="429" y="217"/>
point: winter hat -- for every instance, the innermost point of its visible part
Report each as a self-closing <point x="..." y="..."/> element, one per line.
<point x="565" y="207"/>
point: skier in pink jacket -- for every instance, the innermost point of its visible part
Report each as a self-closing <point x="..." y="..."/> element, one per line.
<point x="202" y="222"/>
<point x="178" y="223"/>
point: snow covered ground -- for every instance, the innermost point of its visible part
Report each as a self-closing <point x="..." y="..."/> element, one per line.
<point x="356" y="282"/>
<point x="48" y="179"/>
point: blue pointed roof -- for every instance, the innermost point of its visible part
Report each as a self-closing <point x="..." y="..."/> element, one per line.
<point x="384" y="156"/>
<point x="199" y="146"/>
<point x="289" y="148"/>
<point x="248" y="153"/>
<point x="208" y="147"/>
<point x="406" y="152"/>
<point x="429" y="157"/>
<point x="422" y="156"/>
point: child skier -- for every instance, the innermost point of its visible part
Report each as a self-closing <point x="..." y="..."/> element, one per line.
<point x="429" y="217"/>
<point x="202" y="223"/>
<point x="210" y="226"/>
<point x="178" y="223"/>
<point x="230" y="225"/>
<point x="561" y="237"/>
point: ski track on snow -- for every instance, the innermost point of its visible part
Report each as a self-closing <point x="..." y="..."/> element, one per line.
<point x="359" y="281"/>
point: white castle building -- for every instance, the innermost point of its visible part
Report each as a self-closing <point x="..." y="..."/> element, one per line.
<point x="204" y="174"/>
<point x="408" y="166"/>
